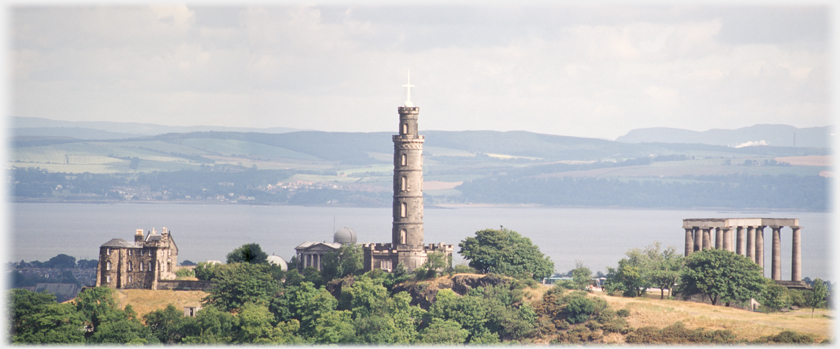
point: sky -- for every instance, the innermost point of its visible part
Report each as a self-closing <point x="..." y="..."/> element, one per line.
<point x="576" y="70"/>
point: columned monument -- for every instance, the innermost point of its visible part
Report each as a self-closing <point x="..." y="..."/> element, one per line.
<point x="406" y="245"/>
<point x="729" y="235"/>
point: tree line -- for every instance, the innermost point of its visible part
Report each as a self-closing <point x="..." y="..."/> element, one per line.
<point x="252" y="301"/>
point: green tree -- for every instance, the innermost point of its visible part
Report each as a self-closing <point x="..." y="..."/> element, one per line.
<point x="721" y="275"/>
<point x="166" y="324"/>
<point x="819" y="293"/>
<point x="240" y="283"/>
<point x="256" y="325"/>
<point x="629" y="278"/>
<point x="470" y="311"/>
<point x="97" y="305"/>
<point x="444" y="332"/>
<point x="581" y="275"/>
<point x="213" y="327"/>
<point x="62" y="261"/>
<point x="38" y="319"/>
<point x="775" y="296"/>
<point x="206" y="270"/>
<point x="347" y="260"/>
<point x="643" y="268"/>
<point x="248" y="253"/>
<point x="304" y="303"/>
<point x="663" y="267"/>
<point x="335" y="328"/>
<point x="505" y="252"/>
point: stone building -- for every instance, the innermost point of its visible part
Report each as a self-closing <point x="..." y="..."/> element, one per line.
<point x="407" y="228"/>
<point x="745" y="237"/>
<point x="140" y="264"/>
<point x="310" y="254"/>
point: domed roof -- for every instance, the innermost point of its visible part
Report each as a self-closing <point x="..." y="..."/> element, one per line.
<point x="345" y="236"/>
<point x="277" y="260"/>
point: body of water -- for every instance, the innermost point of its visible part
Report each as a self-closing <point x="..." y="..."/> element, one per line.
<point x="598" y="237"/>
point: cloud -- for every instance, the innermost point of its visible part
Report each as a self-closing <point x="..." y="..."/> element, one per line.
<point x="590" y="71"/>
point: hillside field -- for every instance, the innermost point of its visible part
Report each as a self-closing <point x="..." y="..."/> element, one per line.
<point x="644" y="311"/>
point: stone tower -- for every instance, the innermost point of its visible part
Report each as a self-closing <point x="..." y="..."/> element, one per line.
<point x="406" y="245"/>
<point x="407" y="230"/>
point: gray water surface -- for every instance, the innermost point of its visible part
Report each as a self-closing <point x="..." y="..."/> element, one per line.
<point x="598" y="237"/>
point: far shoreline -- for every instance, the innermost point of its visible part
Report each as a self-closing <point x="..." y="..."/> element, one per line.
<point x="751" y="210"/>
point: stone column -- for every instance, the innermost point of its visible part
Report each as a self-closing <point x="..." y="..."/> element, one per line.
<point x="718" y="238"/>
<point x="751" y="243"/>
<point x="689" y="241"/>
<point x="727" y="239"/>
<point x="698" y="239"/>
<point x="776" y="267"/>
<point x="707" y="239"/>
<point x="739" y="246"/>
<point x="759" y="246"/>
<point x="796" y="255"/>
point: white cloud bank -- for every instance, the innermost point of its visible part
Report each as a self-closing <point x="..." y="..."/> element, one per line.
<point x="579" y="71"/>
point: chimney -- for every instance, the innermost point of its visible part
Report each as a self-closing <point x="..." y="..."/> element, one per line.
<point x="138" y="236"/>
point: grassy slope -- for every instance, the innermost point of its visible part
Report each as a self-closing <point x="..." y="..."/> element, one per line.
<point x="644" y="311"/>
<point x="146" y="301"/>
<point x="651" y="311"/>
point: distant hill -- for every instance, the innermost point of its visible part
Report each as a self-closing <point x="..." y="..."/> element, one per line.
<point x="773" y="135"/>
<point x="99" y="130"/>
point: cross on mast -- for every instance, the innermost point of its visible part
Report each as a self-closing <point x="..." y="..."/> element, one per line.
<point x="408" y="87"/>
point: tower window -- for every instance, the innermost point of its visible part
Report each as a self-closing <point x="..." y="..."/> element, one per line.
<point x="108" y="279"/>
<point x="405" y="129"/>
<point x="402" y="236"/>
<point x="402" y="210"/>
<point x="141" y="266"/>
<point x="402" y="162"/>
<point x="129" y="278"/>
<point x="108" y="251"/>
<point x="129" y="265"/>
<point x="108" y="265"/>
<point x="402" y="183"/>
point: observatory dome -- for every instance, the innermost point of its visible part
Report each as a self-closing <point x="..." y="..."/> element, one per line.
<point x="345" y="236"/>
<point x="277" y="260"/>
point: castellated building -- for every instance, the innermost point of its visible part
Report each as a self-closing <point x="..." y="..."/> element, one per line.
<point x="407" y="229"/>
<point x="139" y="264"/>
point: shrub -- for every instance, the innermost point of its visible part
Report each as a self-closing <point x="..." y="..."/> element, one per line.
<point x="579" y="309"/>
<point x="678" y="334"/>
<point x="185" y="272"/>
<point x="623" y="313"/>
<point x="786" y="337"/>
<point x="462" y="269"/>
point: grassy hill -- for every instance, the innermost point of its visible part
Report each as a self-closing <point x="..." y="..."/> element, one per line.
<point x="644" y="311"/>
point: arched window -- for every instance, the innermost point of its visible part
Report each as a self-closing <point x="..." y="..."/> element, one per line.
<point x="108" y="279"/>
<point x="402" y="210"/>
<point x="402" y="236"/>
<point x="402" y="183"/>
<point x="129" y="265"/>
<point x="150" y="266"/>
<point x="129" y="278"/>
<point x="141" y="266"/>
<point x="108" y="265"/>
<point x="402" y="162"/>
<point x="405" y="129"/>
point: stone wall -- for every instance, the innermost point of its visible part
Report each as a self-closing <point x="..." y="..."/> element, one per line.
<point x="184" y="285"/>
